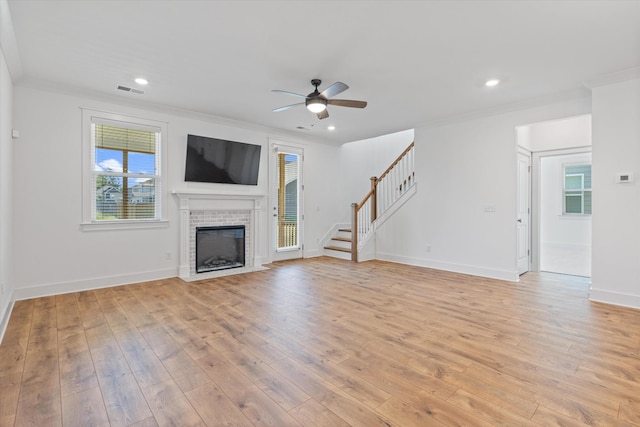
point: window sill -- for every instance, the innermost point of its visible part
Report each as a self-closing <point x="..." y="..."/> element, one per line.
<point x="123" y="225"/>
<point x="574" y="216"/>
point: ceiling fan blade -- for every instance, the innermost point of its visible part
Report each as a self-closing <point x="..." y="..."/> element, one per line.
<point x="334" y="89"/>
<point x="289" y="93"/>
<point x="323" y="114"/>
<point x="347" y="103"/>
<point x="286" y="107"/>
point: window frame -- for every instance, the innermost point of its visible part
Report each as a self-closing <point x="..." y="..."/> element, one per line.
<point x="89" y="221"/>
<point x="581" y="190"/>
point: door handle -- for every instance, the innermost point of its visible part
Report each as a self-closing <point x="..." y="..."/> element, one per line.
<point x="520" y="220"/>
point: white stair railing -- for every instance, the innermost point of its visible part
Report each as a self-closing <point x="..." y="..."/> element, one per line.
<point x="385" y="191"/>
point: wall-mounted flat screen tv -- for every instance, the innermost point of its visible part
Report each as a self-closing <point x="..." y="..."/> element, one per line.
<point x="221" y="161"/>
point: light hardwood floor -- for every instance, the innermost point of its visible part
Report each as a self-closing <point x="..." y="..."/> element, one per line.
<point x="324" y="342"/>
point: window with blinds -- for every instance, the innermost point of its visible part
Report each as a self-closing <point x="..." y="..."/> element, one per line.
<point x="577" y="189"/>
<point x="125" y="171"/>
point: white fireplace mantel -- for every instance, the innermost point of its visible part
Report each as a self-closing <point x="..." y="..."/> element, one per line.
<point x="194" y="200"/>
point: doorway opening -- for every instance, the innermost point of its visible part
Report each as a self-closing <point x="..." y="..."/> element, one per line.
<point x="560" y="222"/>
<point x="286" y="194"/>
<point x="565" y="214"/>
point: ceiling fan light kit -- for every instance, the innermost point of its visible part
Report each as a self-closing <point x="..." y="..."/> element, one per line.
<point x="317" y="102"/>
<point x="316" y="105"/>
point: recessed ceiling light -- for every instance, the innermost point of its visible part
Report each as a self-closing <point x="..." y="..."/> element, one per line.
<point x="141" y="81"/>
<point x="331" y="127"/>
<point x="492" y="82"/>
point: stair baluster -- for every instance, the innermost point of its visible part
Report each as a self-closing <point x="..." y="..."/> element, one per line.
<point x="385" y="191"/>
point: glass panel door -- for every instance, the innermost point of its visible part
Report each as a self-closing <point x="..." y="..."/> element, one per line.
<point x="286" y="194"/>
<point x="288" y="206"/>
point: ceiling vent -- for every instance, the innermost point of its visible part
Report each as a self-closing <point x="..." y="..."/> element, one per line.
<point x="128" y="89"/>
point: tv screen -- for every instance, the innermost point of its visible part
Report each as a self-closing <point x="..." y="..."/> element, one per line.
<point x="221" y="161"/>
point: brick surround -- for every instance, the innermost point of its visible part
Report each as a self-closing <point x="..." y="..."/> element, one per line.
<point x="216" y="219"/>
<point x="200" y="209"/>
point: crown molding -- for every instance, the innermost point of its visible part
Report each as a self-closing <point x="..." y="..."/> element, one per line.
<point x="70" y="90"/>
<point x="612" y="78"/>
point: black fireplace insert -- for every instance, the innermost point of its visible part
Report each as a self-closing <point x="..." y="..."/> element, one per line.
<point x="219" y="248"/>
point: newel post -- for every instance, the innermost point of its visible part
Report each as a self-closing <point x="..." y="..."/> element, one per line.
<point x="354" y="232"/>
<point x="374" y="198"/>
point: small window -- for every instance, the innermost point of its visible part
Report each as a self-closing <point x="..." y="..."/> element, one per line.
<point x="577" y="189"/>
<point x="123" y="169"/>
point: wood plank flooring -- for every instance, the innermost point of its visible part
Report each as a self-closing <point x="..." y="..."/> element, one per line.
<point x="324" y="342"/>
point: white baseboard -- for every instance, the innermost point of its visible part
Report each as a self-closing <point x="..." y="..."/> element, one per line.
<point x="312" y="253"/>
<point x="490" y="273"/>
<point x="615" y="298"/>
<point x="93" y="283"/>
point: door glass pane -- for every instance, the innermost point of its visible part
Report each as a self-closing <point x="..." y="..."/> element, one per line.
<point x="288" y="196"/>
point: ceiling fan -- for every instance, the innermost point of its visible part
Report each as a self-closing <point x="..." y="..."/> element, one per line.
<point x="317" y="102"/>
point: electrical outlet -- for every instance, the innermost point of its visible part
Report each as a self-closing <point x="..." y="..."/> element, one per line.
<point x="428" y="248"/>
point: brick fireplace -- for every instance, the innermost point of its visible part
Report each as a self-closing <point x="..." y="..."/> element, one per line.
<point x="204" y="209"/>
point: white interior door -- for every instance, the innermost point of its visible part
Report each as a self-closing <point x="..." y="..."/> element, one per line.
<point x="524" y="185"/>
<point x="286" y="199"/>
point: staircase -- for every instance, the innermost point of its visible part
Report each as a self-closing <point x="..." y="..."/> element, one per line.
<point x="339" y="246"/>
<point x="388" y="193"/>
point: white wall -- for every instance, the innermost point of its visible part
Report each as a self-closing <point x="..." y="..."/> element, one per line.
<point x="556" y="228"/>
<point x="6" y="142"/>
<point x="322" y="185"/>
<point x="559" y="134"/>
<point x="460" y="169"/>
<point x="616" y="207"/>
<point x="52" y="254"/>
<point x="360" y="160"/>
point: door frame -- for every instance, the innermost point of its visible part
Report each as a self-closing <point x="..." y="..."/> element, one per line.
<point x="527" y="220"/>
<point x="288" y="253"/>
<point x="536" y="197"/>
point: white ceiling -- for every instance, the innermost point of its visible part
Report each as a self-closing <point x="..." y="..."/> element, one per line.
<point x="414" y="61"/>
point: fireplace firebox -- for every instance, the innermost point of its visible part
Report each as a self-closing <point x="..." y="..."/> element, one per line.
<point x="219" y="248"/>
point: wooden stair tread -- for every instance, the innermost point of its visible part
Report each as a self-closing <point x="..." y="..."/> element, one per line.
<point x="341" y="239"/>
<point x="338" y="248"/>
<point x="346" y="230"/>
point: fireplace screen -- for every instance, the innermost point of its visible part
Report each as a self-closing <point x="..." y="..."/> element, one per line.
<point x="219" y="248"/>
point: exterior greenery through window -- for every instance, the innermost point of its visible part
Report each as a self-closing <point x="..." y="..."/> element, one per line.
<point x="125" y="172"/>
<point x="577" y="189"/>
